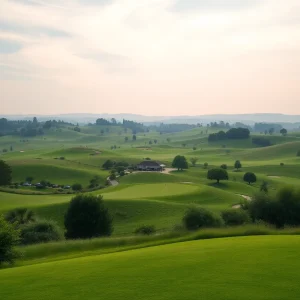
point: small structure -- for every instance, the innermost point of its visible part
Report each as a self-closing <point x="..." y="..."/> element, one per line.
<point x="150" y="165"/>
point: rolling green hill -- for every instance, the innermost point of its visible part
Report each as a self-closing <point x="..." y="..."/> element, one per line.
<point x="229" y="268"/>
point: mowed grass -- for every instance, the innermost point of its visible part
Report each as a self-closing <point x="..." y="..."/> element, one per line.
<point x="261" y="268"/>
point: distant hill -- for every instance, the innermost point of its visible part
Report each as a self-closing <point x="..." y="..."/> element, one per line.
<point x="249" y="119"/>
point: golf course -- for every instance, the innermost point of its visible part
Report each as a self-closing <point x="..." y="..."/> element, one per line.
<point x="254" y="260"/>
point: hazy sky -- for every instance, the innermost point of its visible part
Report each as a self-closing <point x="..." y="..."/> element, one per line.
<point x="152" y="57"/>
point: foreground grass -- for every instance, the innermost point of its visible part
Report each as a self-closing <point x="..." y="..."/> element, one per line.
<point x="77" y="248"/>
<point x="230" y="268"/>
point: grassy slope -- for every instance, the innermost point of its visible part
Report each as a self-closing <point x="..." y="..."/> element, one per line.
<point x="231" y="268"/>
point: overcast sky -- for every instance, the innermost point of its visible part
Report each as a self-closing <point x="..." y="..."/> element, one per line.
<point x="152" y="57"/>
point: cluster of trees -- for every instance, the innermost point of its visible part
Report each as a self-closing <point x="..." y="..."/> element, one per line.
<point x="281" y="209"/>
<point x="262" y="142"/>
<point x="85" y="218"/>
<point x="267" y="127"/>
<point x="172" y="128"/>
<point x="27" y="128"/>
<point x="233" y="133"/>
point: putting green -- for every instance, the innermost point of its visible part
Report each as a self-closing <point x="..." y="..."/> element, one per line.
<point x="151" y="190"/>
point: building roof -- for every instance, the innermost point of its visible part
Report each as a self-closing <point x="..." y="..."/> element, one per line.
<point x="149" y="163"/>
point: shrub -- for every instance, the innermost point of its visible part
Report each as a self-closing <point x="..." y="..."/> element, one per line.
<point x="281" y="210"/>
<point x="62" y="158"/>
<point x="250" y="177"/>
<point x="224" y="166"/>
<point x="196" y="218"/>
<point x="145" y="230"/>
<point x="9" y="238"/>
<point x="20" y="216"/>
<point x="77" y="187"/>
<point x="40" y="232"/>
<point x="87" y="217"/>
<point x="205" y="165"/>
<point x="259" y="141"/>
<point x="281" y="164"/>
<point x="235" y="217"/>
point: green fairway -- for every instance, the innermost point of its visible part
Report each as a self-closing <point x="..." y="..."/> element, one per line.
<point x="231" y="268"/>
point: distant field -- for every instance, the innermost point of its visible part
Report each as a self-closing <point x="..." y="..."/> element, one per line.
<point x="243" y="268"/>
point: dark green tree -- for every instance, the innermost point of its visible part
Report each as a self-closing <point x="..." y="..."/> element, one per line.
<point x="108" y="164"/>
<point x="9" y="238"/>
<point x="237" y="165"/>
<point x="224" y="166"/>
<point x="217" y="174"/>
<point x="87" y="217"/>
<point x="29" y="179"/>
<point x="134" y="137"/>
<point x="283" y="131"/>
<point x="250" y="177"/>
<point x="76" y="187"/>
<point x="180" y="163"/>
<point x="5" y="173"/>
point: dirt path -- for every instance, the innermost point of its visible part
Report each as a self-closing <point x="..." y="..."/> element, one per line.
<point x="168" y="170"/>
<point x="248" y="198"/>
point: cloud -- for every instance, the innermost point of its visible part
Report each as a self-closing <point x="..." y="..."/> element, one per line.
<point x="32" y="30"/>
<point x="216" y="5"/>
<point x="104" y="57"/>
<point x="9" y="47"/>
<point x="96" y="2"/>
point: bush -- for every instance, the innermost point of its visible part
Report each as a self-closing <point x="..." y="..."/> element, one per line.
<point x="9" y="238"/>
<point x="235" y="217"/>
<point x="196" y="218"/>
<point x="77" y="187"/>
<point x="87" y="217"/>
<point x="145" y="230"/>
<point x="281" y="164"/>
<point x="40" y="232"/>
<point x="224" y="166"/>
<point x="280" y="210"/>
<point x="205" y="165"/>
<point x="20" y="216"/>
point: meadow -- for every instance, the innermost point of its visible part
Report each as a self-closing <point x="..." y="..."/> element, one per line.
<point x="169" y="265"/>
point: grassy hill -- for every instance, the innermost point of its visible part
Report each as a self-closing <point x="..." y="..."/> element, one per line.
<point x="229" y="268"/>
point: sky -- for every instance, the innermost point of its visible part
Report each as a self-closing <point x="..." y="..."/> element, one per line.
<point x="150" y="57"/>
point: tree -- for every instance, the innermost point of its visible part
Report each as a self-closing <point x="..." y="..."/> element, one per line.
<point x="180" y="163"/>
<point x="134" y="137"/>
<point x="271" y="131"/>
<point x="29" y="179"/>
<point x="250" y="177"/>
<point x="20" y="216"/>
<point x="95" y="181"/>
<point x="76" y="187"/>
<point x="155" y="141"/>
<point x="205" y="165"/>
<point x="224" y="166"/>
<point x="126" y="139"/>
<point x="264" y="187"/>
<point x="108" y="164"/>
<point x="298" y="153"/>
<point x="237" y="165"/>
<point x="196" y="218"/>
<point x="283" y="131"/>
<point x="87" y="217"/>
<point x="9" y="238"/>
<point x="168" y="140"/>
<point x="11" y="148"/>
<point x="5" y="173"/>
<point x="184" y="144"/>
<point x="194" y="161"/>
<point x="217" y="174"/>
